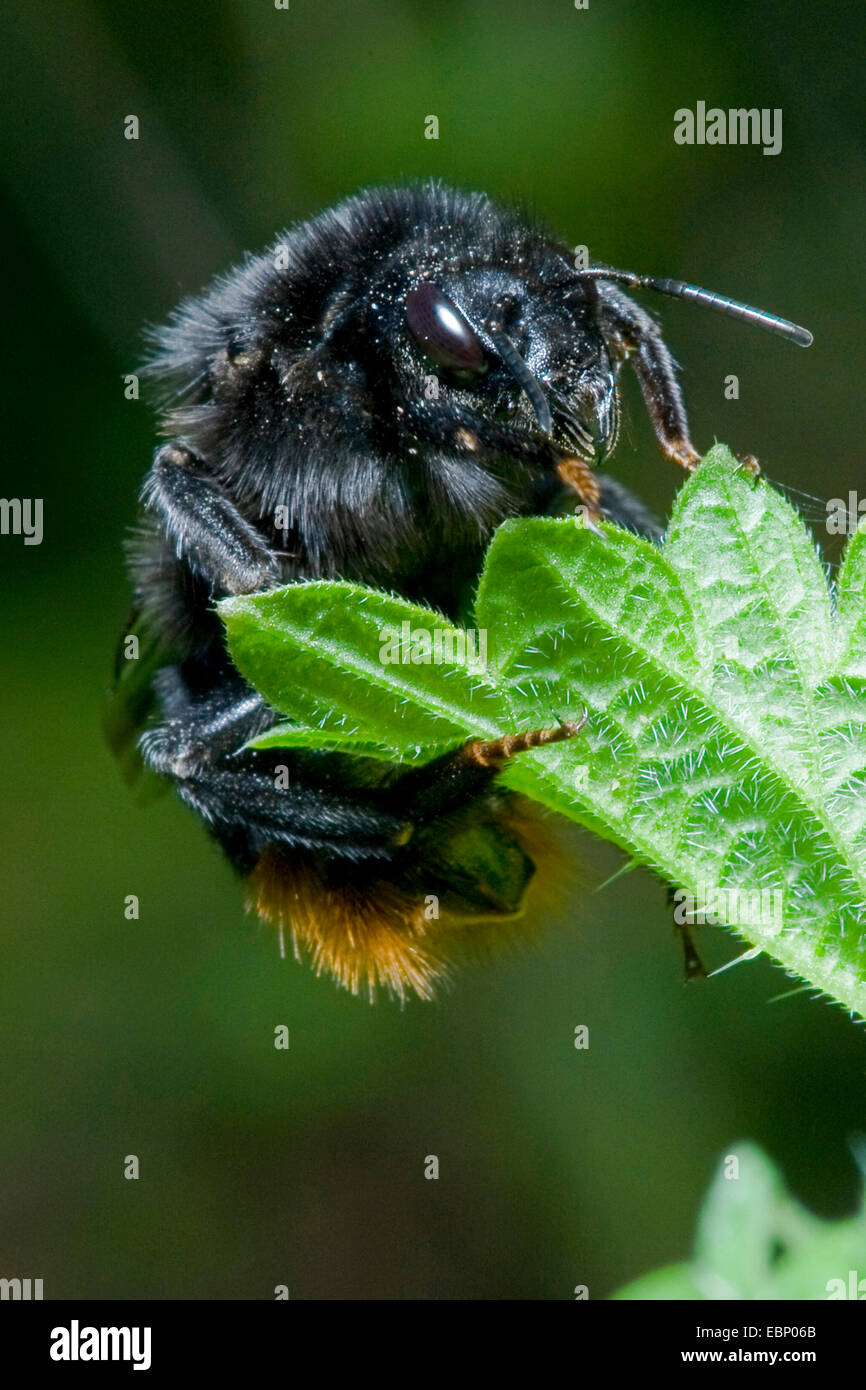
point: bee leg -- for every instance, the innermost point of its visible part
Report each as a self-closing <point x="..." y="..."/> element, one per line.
<point x="654" y="369"/>
<point x="580" y="478"/>
<point x="197" y="730"/>
<point x="637" y="338"/>
<point x="255" y="799"/>
<point x="206" y="528"/>
<point x="621" y="506"/>
<point x="436" y="788"/>
<point x="251" y="810"/>
<point x="693" y="966"/>
<point x="371" y="826"/>
<point x="251" y="805"/>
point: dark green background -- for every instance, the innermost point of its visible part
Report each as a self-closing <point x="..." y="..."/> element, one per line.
<point x="260" y="1167"/>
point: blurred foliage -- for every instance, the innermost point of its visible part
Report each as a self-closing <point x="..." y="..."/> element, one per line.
<point x="305" y="1167"/>
<point x="755" y="1242"/>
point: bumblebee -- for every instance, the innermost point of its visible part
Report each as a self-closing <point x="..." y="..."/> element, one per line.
<point x="368" y="400"/>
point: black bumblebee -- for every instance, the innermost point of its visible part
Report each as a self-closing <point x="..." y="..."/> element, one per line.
<point x="368" y="400"/>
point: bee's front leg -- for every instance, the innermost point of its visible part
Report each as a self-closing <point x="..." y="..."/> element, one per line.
<point x="206" y="528"/>
<point x="633" y="336"/>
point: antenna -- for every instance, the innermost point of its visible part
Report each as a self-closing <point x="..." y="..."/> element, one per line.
<point x="678" y="289"/>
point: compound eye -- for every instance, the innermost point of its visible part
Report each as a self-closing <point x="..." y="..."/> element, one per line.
<point x="440" y="329"/>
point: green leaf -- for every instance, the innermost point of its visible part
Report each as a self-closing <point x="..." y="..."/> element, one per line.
<point x="754" y="1241"/>
<point x="314" y="651"/>
<point x="850" y="588"/>
<point x="725" y="744"/>
<point x="287" y="735"/>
